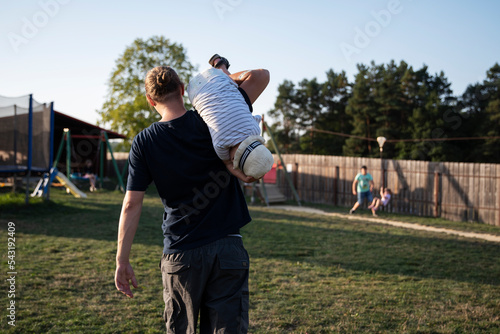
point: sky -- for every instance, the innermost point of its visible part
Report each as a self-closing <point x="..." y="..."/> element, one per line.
<point x="63" y="51"/>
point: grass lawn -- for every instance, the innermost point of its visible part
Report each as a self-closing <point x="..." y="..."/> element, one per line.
<point x="309" y="274"/>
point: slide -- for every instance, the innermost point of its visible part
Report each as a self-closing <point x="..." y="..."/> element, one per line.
<point x="70" y="186"/>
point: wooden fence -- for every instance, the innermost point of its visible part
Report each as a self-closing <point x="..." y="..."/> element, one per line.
<point x="455" y="191"/>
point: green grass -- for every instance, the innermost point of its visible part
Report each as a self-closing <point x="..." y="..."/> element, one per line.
<point x="428" y="221"/>
<point x="309" y="273"/>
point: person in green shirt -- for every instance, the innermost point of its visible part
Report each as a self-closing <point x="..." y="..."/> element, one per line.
<point x="362" y="186"/>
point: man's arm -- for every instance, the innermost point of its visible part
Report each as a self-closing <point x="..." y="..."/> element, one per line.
<point x="252" y="82"/>
<point x="354" y="183"/>
<point x="129" y="220"/>
<point x="372" y="185"/>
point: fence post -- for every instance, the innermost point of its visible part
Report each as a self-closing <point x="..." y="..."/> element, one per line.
<point x="295" y="175"/>
<point x="498" y="195"/>
<point x="436" y="194"/>
<point x="382" y="171"/>
<point x="335" y="185"/>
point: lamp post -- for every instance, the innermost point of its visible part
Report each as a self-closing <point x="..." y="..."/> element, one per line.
<point x="381" y="141"/>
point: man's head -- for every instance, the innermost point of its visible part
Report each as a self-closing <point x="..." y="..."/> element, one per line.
<point x="253" y="158"/>
<point x="162" y="83"/>
<point x="363" y="170"/>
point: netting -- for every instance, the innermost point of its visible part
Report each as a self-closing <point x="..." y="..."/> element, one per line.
<point x="14" y="135"/>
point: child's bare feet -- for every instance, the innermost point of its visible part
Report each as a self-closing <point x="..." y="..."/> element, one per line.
<point x="219" y="62"/>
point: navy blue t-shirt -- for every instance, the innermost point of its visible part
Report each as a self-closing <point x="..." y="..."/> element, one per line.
<point x="203" y="202"/>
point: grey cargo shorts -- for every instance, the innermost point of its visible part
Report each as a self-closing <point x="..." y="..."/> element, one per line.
<point x="210" y="281"/>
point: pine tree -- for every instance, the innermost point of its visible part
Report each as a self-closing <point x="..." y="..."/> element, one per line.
<point x="362" y="109"/>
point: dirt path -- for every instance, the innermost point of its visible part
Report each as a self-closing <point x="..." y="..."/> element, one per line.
<point x="488" y="237"/>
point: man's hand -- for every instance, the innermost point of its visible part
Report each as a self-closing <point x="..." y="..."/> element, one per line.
<point x="242" y="176"/>
<point x="238" y="172"/>
<point x="123" y="275"/>
<point x="354" y="192"/>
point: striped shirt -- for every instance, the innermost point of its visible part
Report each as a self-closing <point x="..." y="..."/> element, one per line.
<point x="216" y="98"/>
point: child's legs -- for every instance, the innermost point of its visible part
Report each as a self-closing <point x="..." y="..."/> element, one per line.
<point x="373" y="203"/>
<point x="252" y="82"/>
<point x="233" y="150"/>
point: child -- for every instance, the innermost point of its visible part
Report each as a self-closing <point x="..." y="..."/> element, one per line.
<point x="224" y="101"/>
<point x="89" y="174"/>
<point x="385" y="195"/>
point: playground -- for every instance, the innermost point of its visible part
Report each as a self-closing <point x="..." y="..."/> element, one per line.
<point x="310" y="272"/>
<point x="31" y="134"/>
<point x="314" y="268"/>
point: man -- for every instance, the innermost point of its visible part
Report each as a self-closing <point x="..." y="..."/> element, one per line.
<point x="204" y="264"/>
<point x="362" y="186"/>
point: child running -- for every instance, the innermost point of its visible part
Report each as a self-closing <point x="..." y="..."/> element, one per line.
<point x="224" y="101"/>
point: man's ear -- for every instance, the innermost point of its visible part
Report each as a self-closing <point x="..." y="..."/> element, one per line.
<point x="150" y="100"/>
<point x="182" y="89"/>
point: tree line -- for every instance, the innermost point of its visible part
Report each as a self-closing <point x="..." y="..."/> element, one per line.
<point x="415" y="110"/>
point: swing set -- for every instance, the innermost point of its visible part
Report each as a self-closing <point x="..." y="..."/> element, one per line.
<point x="65" y="180"/>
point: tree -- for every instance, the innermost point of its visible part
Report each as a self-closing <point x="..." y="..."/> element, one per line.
<point x="362" y="109"/>
<point x="126" y="109"/>
<point x="335" y="92"/>
<point x="481" y="108"/>
<point x="285" y="111"/>
<point x="309" y="102"/>
<point x="392" y="106"/>
<point x="413" y="107"/>
<point x="310" y="106"/>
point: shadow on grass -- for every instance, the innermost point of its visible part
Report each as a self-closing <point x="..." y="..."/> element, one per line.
<point x="370" y="248"/>
<point x="322" y="241"/>
<point x="95" y="217"/>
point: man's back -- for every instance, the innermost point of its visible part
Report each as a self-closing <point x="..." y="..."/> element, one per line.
<point x="202" y="201"/>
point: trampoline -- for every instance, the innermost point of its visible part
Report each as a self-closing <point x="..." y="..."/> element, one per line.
<point x="26" y="136"/>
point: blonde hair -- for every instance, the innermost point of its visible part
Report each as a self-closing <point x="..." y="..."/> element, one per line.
<point x="161" y="83"/>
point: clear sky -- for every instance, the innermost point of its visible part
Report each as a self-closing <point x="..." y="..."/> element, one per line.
<point x="64" y="50"/>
